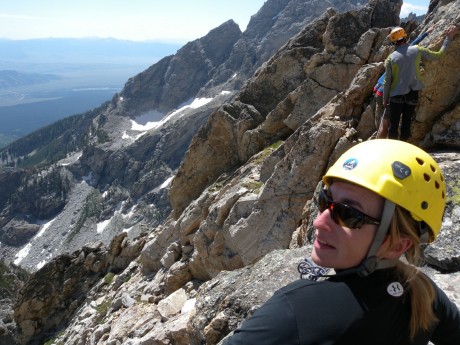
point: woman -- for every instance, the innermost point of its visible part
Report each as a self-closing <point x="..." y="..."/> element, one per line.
<point x="382" y="198"/>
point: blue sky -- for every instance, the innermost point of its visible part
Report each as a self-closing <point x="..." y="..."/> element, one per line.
<point x="171" y="20"/>
<point x="416" y="6"/>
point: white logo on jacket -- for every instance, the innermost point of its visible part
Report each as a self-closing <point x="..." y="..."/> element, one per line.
<point x="395" y="289"/>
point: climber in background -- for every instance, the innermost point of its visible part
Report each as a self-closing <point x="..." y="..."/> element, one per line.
<point x="382" y="116"/>
<point x="402" y="79"/>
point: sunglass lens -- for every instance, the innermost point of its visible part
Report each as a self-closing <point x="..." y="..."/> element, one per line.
<point x="323" y="202"/>
<point x="348" y="216"/>
<point x="341" y="214"/>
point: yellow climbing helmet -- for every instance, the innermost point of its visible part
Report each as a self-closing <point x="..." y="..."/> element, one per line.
<point x="397" y="34"/>
<point x="398" y="171"/>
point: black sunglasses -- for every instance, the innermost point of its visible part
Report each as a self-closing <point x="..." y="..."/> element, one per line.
<point x="343" y="214"/>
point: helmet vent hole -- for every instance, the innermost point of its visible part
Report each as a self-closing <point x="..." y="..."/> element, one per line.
<point x="433" y="169"/>
<point x="442" y="178"/>
<point x="436" y="184"/>
<point x="424" y="205"/>
<point x="443" y="195"/>
<point x="420" y="161"/>
<point x="427" y="177"/>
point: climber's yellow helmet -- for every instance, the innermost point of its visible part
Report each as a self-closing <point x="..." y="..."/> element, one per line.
<point x="398" y="171"/>
<point x="397" y="34"/>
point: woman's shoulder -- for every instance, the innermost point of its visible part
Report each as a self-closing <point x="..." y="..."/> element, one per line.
<point x="298" y="286"/>
<point x="305" y="288"/>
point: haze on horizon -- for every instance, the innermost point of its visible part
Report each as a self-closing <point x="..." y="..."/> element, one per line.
<point x="176" y="21"/>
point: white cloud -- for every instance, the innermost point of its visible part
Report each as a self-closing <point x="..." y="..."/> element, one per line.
<point x="16" y="16"/>
<point x="408" y="8"/>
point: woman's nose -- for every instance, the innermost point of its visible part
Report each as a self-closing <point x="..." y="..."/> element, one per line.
<point x="324" y="221"/>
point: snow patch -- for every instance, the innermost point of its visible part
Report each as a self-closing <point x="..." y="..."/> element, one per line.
<point x="102" y="225"/>
<point x="166" y="183"/>
<point x="70" y="159"/>
<point x="41" y="264"/>
<point x="197" y="103"/>
<point x="22" y="253"/>
<point x="44" y="228"/>
<point x="130" y="213"/>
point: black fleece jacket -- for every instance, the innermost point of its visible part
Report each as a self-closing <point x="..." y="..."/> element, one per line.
<point x="346" y="309"/>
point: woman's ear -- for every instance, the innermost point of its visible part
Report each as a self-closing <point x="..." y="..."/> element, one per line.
<point x="396" y="249"/>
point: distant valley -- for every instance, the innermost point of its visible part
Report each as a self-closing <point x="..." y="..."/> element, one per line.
<point x="44" y="80"/>
<point x="12" y="78"/>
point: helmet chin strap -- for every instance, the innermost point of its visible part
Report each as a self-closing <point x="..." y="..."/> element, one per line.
<point x="372" y="263"/>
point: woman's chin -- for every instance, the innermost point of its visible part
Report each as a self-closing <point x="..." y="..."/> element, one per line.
<point x="317" y="259"/>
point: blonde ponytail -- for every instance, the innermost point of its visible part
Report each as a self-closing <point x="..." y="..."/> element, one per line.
<point x="420" y="288"/>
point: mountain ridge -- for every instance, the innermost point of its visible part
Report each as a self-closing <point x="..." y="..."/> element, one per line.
<point x="216" y="200"/>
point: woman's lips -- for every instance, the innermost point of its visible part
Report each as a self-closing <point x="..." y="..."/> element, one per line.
<point x="323" y="244"/>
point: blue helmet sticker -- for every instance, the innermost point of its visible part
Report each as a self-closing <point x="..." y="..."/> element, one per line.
<point x="350" y="164"/>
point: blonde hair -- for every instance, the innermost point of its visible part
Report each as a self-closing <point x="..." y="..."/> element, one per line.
<point x="420" y="288"/>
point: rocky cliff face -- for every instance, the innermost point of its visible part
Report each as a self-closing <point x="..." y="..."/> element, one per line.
<point x="115" y="179"/>
<point x="240" y="199"/>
